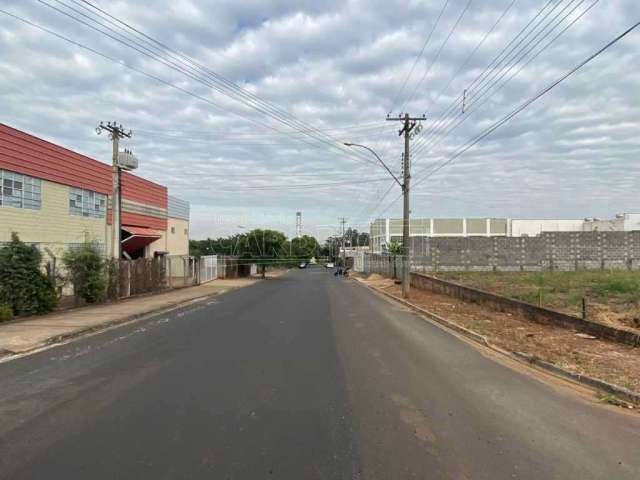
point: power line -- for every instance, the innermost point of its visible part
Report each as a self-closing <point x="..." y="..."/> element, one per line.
<point x="424" y="46"/>
<point x="453" y="107"/>
<point x="473" y="105"/>
<point x="135" y="45"/>
<point x="526" y="104"/>
<point x="273" y="111"/>
<point x="250" y="134"/>
<point x="283" y="186"/>
<point x="491" y="88"/>
<point x="475" y="50"/>
<point x="519" y="109"/>
<point x="435" y="59"/>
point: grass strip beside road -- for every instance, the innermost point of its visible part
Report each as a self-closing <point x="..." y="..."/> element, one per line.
<point x="612" y="296"/>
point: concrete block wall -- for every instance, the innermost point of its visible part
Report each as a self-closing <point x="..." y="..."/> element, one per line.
<point x="561" y="251"/>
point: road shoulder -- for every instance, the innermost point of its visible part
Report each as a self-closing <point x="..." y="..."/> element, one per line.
<point x="606" y="392"/>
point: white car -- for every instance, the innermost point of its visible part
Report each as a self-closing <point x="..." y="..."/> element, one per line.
<point x="329" y="265"/>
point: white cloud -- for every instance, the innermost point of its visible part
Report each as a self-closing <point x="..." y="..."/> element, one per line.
<point x="337" y="64"/>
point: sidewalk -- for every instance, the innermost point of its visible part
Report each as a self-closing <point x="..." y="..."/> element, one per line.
<point x="31" y="333"/>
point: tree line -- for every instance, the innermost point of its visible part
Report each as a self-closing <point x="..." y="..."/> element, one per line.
<point x="270" y="247"/>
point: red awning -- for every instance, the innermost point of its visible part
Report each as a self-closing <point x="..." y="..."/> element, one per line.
<point x="140" y="238"/>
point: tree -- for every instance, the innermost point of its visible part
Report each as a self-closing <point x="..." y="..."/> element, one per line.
<point x="332" y="247"/>
<point x="262" y="247"/>
<point x="24" y="288"/>
<point x="353" y="238"/>
<point x="395" y="249"/>
<point x="304" y="247"/>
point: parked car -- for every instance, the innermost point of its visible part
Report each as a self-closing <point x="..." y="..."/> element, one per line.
<point x="329" y="265"/>
<point x="302" y="265"/>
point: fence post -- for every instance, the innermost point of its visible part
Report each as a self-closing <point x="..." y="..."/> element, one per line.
<point x="131" y="277"/>
<point x="184" y="272"/>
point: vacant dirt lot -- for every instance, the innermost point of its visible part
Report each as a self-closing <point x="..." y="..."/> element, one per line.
<point x="612" y="296"/>
<point x="608" y="361"/>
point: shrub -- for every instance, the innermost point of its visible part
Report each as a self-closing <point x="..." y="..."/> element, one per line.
<point x="24" y="288"/>
<point x="87" y="272"/>
<point x="5" y="313"/>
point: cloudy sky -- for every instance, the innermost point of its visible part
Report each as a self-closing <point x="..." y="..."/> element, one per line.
<point x="246" y="114"/>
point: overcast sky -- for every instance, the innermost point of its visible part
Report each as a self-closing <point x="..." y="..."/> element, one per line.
<point x="337" y="68"/>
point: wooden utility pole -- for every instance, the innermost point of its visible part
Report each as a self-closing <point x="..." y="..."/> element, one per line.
<point x="116" y="132"/>
<point x="409" y="124"/>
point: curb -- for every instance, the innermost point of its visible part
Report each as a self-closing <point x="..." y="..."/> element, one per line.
<point x="58" y="339"/>
<point x="626" y="394"/>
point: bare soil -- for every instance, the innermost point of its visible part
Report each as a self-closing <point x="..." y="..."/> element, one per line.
<point x="609" y="361"/>
<point x="612" y="296"/>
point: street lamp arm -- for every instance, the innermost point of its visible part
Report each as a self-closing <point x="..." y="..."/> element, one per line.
<point x="347" y="144"/>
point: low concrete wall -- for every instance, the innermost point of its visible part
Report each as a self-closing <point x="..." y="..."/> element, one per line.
<point x="531" y="312"/>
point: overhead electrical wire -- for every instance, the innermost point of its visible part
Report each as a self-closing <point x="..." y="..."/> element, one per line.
<point x="108" y="57"/>
<point x="473" y="106"/>
<point x="454" y="106"/>
<point x="424" y="46"/>
<point x="468" y="145"/>
<point x="453" y="76"/>
<point x="489" y="89"/>
<point x="182" y="132"/>
<point x="132" y="68"/>
<point x="282" y="187"/>
<point x="475" y="50"/>
<point x="280" y="114"/>
<point x="435" y="59"/>
<point x="197" y="76"/>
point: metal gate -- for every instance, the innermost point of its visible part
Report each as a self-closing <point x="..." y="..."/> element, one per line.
<point x="208" y="268"/>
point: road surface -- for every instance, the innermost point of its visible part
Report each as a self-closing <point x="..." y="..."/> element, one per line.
<point x="302" y="377"/>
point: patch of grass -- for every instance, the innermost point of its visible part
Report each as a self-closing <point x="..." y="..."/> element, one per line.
<point x="560" y="290"/>
<point x="613" y="400"/>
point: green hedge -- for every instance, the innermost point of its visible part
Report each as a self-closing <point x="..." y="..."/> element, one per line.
<point x="87" y="272"/>
<point x="5" y="313"/>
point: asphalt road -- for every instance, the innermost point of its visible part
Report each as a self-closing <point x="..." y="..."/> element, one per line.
<point x="302" y="377"/>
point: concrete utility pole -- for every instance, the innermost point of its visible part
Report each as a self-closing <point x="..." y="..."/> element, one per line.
<point x="409" y="124"/>
<point x="116" y="132"/>
<point x="344" y="253"/>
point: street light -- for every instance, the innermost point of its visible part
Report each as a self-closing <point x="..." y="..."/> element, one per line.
<point x="347" y="144"/>
<point x="406" y="277"/>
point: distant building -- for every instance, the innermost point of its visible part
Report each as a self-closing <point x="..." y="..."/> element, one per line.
<point x="383" y="231"/>
<point x="56" y="198"/>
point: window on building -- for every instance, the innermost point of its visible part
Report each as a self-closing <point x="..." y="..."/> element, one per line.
<point x="87" y="203"/>
<point x="20" y="191"/>
<point x="173" y="229"/>
<point x="186" y="231"/>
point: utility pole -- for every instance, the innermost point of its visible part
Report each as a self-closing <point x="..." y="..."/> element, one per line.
<point x="409" y="123"/>
<point x="344" y="253"/>
<point x="116" y="132"/>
